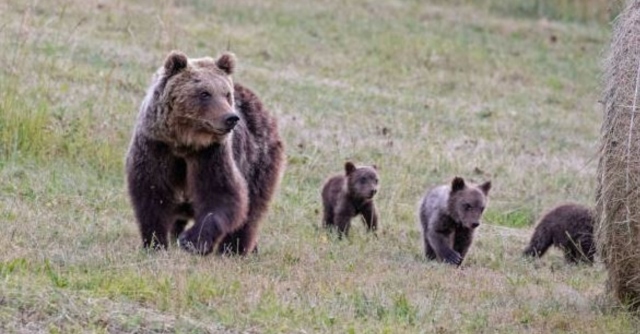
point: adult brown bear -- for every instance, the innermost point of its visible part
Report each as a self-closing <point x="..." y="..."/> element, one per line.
<point x="205" y="149"/>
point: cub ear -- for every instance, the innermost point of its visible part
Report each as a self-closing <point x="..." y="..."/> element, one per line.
<point x="175" y="62"/>
<point x="349" y="167"/>
<point x="457" y="184"/>
<point x="374" y="167"/>
<point x="227" y="63"/>
<point x="485" y="187"/>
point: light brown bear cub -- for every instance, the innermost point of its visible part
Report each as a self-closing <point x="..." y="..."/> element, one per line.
<point x="346" y="196"/>
<point x="568" y="227"/>
<point x="449" y="214"/>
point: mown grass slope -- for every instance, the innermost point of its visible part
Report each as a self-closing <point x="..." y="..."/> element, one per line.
<point x="425" y="90"/>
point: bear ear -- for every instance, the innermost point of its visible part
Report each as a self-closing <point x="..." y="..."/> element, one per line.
<point x="457" y="184"/>
<point x="349" y="167"/>
<point x="485" y="187"/>
<point x="374" y="167"/>
<point x="175" y="62"/>
<point x="227" y="63"/>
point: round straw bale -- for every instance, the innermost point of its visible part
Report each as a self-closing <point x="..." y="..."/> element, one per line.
<point x="617" y="225"/>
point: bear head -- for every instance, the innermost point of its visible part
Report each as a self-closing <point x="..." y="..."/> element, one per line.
<point x="197" y="98"/>
<point x="467" y="202"/>
<point x="362" y="181"/>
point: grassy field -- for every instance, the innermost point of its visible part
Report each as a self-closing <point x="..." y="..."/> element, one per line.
<point x="424" y="89"/>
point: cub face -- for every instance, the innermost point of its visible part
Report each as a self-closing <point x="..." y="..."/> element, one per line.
<point x="362" y="182"/>
<point x="467" y="202"/>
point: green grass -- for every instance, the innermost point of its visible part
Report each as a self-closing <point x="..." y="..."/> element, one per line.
<point x="425" y="90"/>
<point x="583" y="11"/>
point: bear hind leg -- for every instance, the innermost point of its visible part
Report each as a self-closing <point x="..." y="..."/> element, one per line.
<point x="178" y="227"/>
<point x="582" y="251"/>
<point x="572" y="255"/>
<point x="184" y="212"/>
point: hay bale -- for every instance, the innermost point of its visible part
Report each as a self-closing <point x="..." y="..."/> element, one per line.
<point x="618" y="193"/>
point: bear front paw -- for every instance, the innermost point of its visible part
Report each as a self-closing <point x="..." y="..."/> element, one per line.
<point x="453" y="258"/>
<point x="195" y="245"/>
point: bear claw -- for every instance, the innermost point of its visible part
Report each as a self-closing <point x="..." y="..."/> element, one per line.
<point x="454" y="258"/>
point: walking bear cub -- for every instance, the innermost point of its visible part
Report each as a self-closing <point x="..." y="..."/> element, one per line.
<point x="449" y="214"/>
<point x="568" y="227"/>
<point x="346" y="196"/>
<point x="205" y="149"/>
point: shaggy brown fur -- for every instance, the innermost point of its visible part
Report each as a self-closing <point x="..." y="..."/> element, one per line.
<point x="346" y="196"/>
<point x="568" y="227"/>
<point x="205" y="149"/>
<point x="449" y="214"/>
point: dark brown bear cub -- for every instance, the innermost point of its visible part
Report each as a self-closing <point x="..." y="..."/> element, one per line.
<point x="449" y="214"/>
<point x="346" y="196"/>
<point x="568" y="227"/>
<point x="205" y="149"/>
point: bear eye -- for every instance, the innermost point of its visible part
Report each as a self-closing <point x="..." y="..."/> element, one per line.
<point x="205" y="95"/>
<point x="228" y="96"/>
<point x="467" y="206"/>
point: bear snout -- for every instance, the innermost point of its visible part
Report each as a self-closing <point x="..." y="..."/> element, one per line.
<point x="230" y="121"/>
<point x="475" y="224"/>
<point x="373" y="192"/>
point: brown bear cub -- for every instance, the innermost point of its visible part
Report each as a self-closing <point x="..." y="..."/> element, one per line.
<point x="568" y="227"/>
<point x="346" y="196"/>
<point x="449" y="214"/>
<point x="204" y="149"/>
